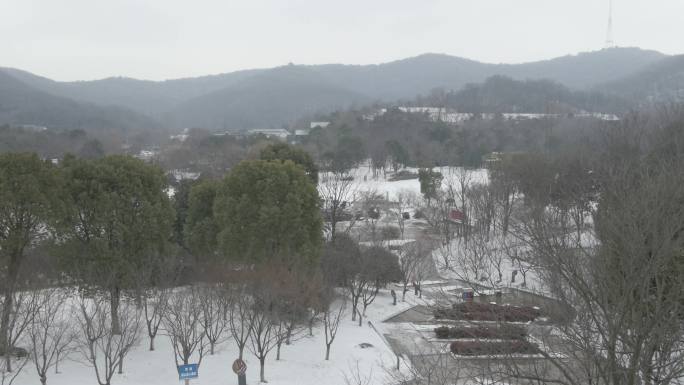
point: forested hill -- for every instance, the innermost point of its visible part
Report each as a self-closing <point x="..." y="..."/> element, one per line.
<point x="501" y="94"/>
<point x="662" y="81"/>
<point x="21" y="104"/>
<point x="277" y="96"/>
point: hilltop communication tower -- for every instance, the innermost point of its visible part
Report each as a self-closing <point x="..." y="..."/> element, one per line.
<point x="609" y="33"/>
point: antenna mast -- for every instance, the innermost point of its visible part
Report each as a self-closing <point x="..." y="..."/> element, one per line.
<point x="609" y="34"/>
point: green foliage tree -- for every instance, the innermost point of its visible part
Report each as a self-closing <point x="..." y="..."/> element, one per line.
<point x="28" y="188"/>
<point x="118" y="218"/>
<point x="181" y="203"/>
<point x="348" y="152"/>
<point x="283" y="151"/>
<point x="269" y="210"/>
<point x="340" y="260"/>
<point x="398" y="154"/>
<point x="200" y="229"/>
<point x="430" y="182"/>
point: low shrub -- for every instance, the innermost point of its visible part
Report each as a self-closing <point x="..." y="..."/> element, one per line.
<point x="403" y="175"/>
<point x="486" y="348"/>
<point x="390" y="232"/>
<point x="502" y="332"/>
<point x="443" y="332"/>
<point x="472" y="311"/>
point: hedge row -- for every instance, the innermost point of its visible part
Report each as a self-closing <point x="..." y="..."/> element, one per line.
<point x="483" y="348"/>
<point x="472" y="311"/>
<point x="503" y="332"/>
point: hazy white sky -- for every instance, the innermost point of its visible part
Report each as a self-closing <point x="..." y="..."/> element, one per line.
<point x="160" y="39"/>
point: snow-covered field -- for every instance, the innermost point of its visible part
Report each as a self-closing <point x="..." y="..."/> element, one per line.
<point x="302" y="363"/>
<point x="365" y="180"/>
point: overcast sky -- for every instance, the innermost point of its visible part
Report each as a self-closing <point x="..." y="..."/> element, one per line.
<point x="160" y="39"/>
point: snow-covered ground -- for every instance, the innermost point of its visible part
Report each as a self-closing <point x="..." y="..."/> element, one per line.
<point x="365" y="180"/>
<point x="302" y="363"/>
<point x="464" y="265"/>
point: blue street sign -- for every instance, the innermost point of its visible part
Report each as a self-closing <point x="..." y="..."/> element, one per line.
<point x="188" y="372"/>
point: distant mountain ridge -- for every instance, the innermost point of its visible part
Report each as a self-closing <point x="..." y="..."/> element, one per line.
<point x="277" y="96"/>
<point x="21" y="104"/>
<point x="501" y="94"/>
<point x="660" y="82"/>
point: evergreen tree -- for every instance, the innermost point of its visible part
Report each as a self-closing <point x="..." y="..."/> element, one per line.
<point x="118" y="218"/>
<point x="269" y="211"/>
<point x="28" y="191"/>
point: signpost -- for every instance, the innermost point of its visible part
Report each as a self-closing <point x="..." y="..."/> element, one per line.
<point x="240" y="368"/>
<point x="188" y="372"/>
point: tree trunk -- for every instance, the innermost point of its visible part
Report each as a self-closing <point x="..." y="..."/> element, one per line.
<point x="355" y="307"/>
<point x="4" y="325"/>
<point x="4" y="330"/>
<point x="211" y="347"/>
<point x="115" y="294"/>
<point x="151" y="343"/>
<point x="278" y="351"/>
<point x="262" y="363"/>
<point x="121" y="363"/>
<point x="327" y="352"/>
<point x="289" y="334"/>
<point x="8" y="304"/>
<point x="43" y="379"/>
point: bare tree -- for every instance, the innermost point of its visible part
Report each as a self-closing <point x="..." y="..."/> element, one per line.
<point x="339" y="193"/>
<point x="7" y="376"/>
<point x="25" y="304"/>
<point x="263" y="322"/>
<point x="183" y="325"/>
<point x="240" y="317"/>
<point x="458" y="187"/>
<point x="470" y="261"/>
<point x="50" y="332"/>
<point x="445" y="254"/>
<point x="369" y="202"/>
<point x="403" y="202"/>
<point x="154" y="281"/>
<point x="378" y="266"/>
<point x="155" y="303"/>
<point x="504" y="190"/>
<point x="102" y="347"/>
<point x="413" y="261"/>
<point x="293" y="301"/>
<point x="332" y="315"/>
<point x="497" y="257"/>
<point x="623" y="276"/>
<point x="214" y="321"/>
<point x="426" y="366"/>
<point x="482" y="208"/>
<point x="358" y="284"/>
<point x="354" y="375"/>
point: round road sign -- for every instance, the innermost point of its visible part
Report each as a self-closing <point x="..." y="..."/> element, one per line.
<point x="239" y="366"/>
